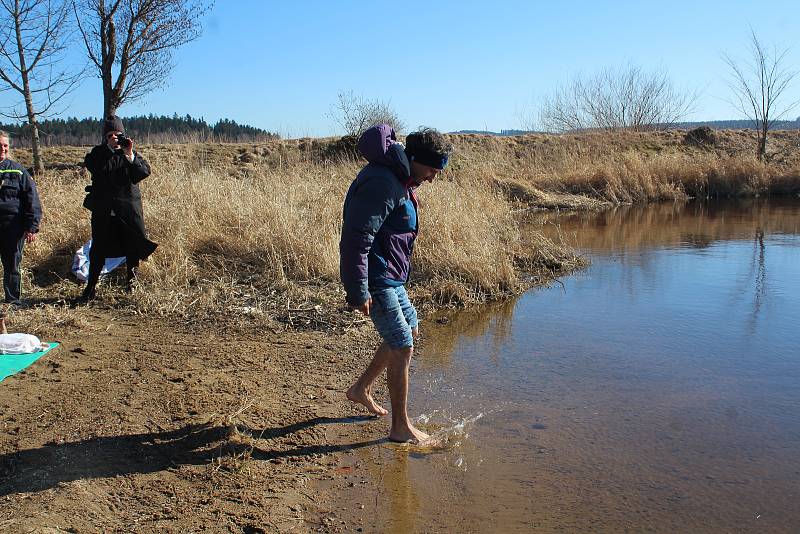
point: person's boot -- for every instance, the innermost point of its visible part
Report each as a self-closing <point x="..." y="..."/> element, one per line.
<point x="90" y="291"/>
<point x="88" y="295"/>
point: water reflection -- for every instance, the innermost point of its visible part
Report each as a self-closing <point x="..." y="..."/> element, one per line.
<point x="694" y="224"/>
<point x="396" y="497"/>
<point x="759" y="272"/>
<point x="656" y="392"/>
<point x="491" y="322"/>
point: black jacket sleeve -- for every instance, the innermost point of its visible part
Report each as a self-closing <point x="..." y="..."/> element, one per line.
<point x="104" y="165"/>
<point x="30" y="204"/>
<point x="102" y="161"/>
<point x="138" y="169"/>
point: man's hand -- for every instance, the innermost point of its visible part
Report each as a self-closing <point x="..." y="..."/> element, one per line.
<point x="364" y="308"/>
<point x="128" y="149"/>
<point x="30" y="237"/>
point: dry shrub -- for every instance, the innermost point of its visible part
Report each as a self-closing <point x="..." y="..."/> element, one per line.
<point x="472" y="247"/>
<point x="275" y="225"/>
<point x="785" y="182"/>
<point x="243" y="244"/>
<point x="739" y="176"/>
<point x="624" y="167"/>
<point x="467" y="243"/>
<point x="64" y="228"/>
<point x="47" y="322"/>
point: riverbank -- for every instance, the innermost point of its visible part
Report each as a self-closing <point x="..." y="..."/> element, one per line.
<point x="209" y="397"/>
<point x="137" y="424"/>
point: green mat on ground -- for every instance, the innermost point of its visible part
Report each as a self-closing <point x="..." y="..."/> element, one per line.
<point x="14" y="363"/>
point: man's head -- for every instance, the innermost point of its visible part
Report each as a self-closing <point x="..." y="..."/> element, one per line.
<point x="112" y="123"/>
<point x="5" y="142"/>
<point x="112" y="126"/>
<point x="111" y="138"/>
<point x="428" y="152"/>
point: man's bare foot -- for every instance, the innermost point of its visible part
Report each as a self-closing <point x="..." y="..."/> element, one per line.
<point x="409" y="434"/>
<point x="364" y="398"/>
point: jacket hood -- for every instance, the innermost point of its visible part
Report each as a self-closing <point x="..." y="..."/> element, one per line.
<point x="380" y="147"/>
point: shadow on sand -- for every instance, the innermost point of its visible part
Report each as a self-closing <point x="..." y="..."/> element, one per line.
<point x="45" y="467"/>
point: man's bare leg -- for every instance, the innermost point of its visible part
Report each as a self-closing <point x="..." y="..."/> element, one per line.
<point x="397" y="376"/>
<point x="361" y="391"/>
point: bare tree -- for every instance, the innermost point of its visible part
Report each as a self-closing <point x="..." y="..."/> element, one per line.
<point x="355" y="114"/>
<point x="131" y="42"/>
<point x="626" y="98"/>
<point x="758" y="85"/>
<point x="34" y="34"/>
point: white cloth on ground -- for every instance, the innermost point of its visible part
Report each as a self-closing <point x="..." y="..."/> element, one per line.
<point x="20" y="344"/>
<point x="80" y="263"/>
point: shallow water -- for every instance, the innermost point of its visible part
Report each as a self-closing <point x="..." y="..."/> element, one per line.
<point x="657" y="390"/>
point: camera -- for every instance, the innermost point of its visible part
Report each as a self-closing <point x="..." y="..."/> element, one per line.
<point x="123" y="140"/>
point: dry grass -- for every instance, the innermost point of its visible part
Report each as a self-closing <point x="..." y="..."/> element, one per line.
<point x="257" y="241"/>
<point x="603" y="169"/>
<point x="250" y="231"/>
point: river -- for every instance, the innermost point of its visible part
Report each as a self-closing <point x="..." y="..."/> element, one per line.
<point x="657" y="390"/>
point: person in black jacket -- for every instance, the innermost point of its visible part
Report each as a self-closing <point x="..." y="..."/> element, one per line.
<point x="116" y="205"/>
<point x="20" y="214"/>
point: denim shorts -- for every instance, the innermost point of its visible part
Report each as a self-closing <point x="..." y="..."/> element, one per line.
<point x="393" y="316"/>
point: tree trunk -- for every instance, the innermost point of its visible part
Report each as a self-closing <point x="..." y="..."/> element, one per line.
<point x="762" y="144"/>
<point x="38" y="165"/>
<point x="38" y="162"/>
<point x="108" y="46"/>
<point x="108" y="100"/>
<point x="108" y="108"/>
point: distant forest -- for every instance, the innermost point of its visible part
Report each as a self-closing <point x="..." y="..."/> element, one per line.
<point x="143" y="129"/>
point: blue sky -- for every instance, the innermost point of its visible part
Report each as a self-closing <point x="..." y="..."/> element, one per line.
<point x="448" y="64"/>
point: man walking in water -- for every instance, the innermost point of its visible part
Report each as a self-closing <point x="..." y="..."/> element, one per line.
<point x="378" y="232"/>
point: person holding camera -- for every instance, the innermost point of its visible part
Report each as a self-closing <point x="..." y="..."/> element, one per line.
<point x="116" y="205"/>
<point x="20" y="214"/>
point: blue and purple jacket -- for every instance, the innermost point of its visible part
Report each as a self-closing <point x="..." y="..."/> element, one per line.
<point x="379" y="218"/>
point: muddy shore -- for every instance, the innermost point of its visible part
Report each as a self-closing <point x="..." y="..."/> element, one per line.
<point x="136" y="425"/>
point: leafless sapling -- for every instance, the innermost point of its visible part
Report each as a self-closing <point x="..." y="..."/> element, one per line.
<point x="34" y="37"/>
<point x="758" y="85"/>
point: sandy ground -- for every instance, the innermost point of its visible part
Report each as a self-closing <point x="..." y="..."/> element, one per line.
<point x="139" y="425"/>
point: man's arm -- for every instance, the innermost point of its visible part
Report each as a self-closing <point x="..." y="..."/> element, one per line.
<point x="365" y="212"/>
<point x="138" y="169"/>
<point x="31" y="205"/>
<point x="102" y="161"/>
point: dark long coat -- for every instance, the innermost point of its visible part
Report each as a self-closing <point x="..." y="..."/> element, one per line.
<point x="115" y="188"/>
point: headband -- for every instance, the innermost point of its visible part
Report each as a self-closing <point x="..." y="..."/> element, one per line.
<point x="428" y="157"/>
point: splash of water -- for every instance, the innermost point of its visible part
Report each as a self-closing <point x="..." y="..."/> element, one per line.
<point x="445" y="435"/>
